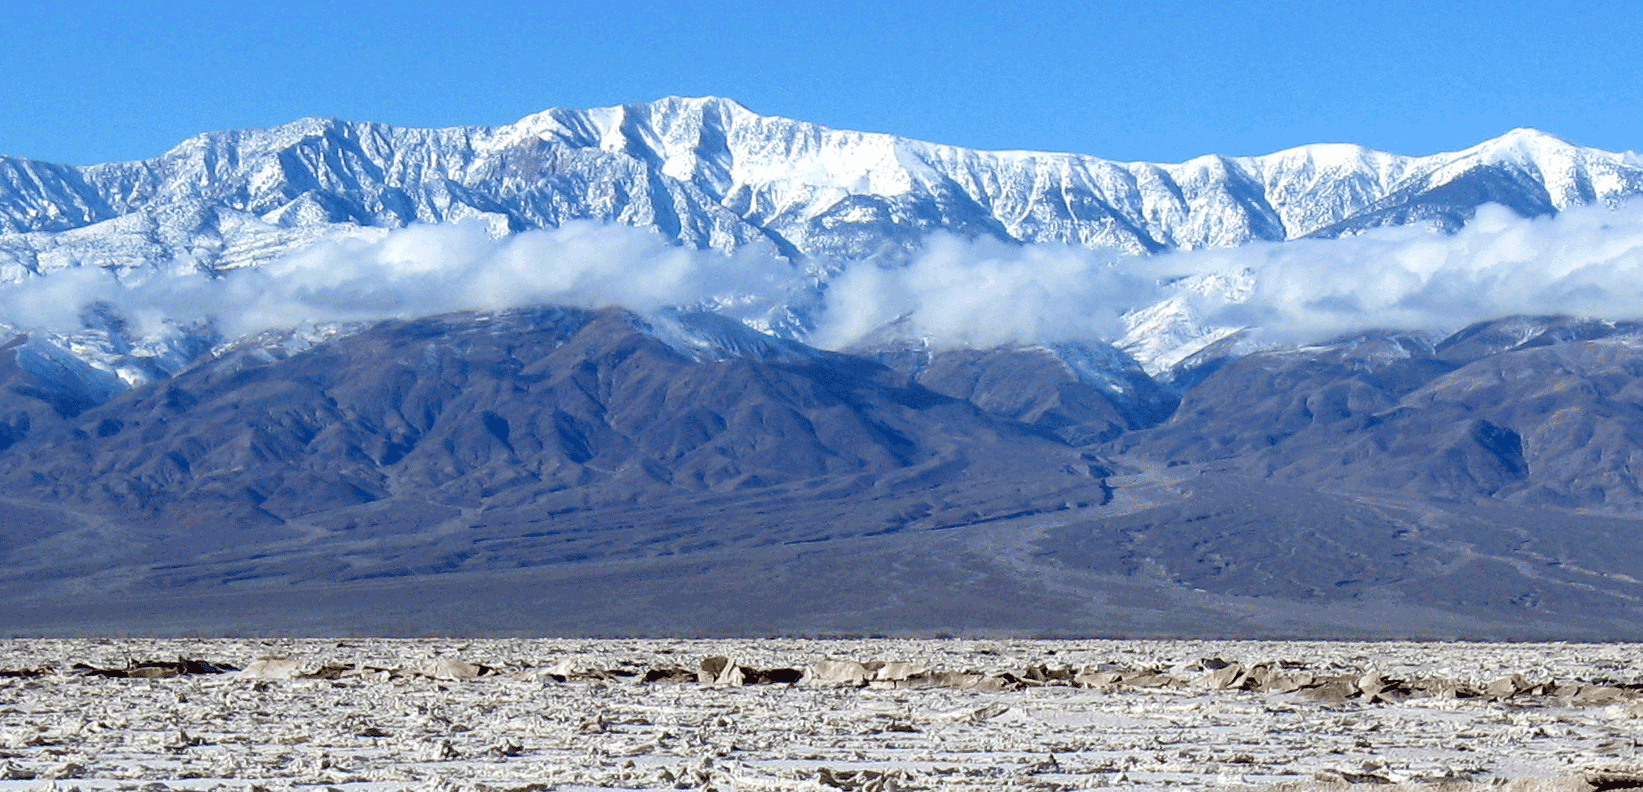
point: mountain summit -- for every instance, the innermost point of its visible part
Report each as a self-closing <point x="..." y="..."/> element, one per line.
<point x="709" y="173"/>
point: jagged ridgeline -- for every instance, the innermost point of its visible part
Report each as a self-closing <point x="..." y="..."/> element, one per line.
<point x="710" y="173"/>
<point x="603" y="470"/>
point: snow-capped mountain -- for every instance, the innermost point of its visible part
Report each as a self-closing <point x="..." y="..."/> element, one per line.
<point x="709" y="173"/>
<point x="530" y="447"/>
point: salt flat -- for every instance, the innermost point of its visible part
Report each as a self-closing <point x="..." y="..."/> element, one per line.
<point x="1041" y="715"/>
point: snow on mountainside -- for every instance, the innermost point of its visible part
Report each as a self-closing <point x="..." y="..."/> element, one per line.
<point x="708" y="173"/>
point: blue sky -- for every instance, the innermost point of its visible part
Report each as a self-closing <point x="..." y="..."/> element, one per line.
<point x="1160" y="81"/>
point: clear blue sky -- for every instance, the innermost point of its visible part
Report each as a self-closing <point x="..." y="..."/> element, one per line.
<point x="1160" y="81"/>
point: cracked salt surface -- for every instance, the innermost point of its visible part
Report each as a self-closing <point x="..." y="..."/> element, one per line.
<point x="1039" y="715"/>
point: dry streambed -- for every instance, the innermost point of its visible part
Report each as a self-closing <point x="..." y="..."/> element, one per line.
<point x="819" y="715"/>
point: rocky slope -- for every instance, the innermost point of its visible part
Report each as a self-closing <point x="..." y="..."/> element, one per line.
<point x="467" y="408"/>
<point x="1532" y="410"/>
<point x="1480" y="485"/>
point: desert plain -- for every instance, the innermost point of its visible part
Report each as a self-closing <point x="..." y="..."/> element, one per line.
<point x="813" y="714"/>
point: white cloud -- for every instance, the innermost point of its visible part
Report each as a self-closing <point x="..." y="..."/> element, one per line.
<point x="985" y="293"/>
<point x="1584" y="262"/>
<point x="956" y="292"/>
<point x="416" y="271"/>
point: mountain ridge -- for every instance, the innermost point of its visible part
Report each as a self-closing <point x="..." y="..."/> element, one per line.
<point x="709" y="173"/>
<point x="1387" y="484"/>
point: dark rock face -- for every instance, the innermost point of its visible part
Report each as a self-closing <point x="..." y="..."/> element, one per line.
<point x="41" y="387"/>
<point x="1249" y="407"/>
<point x="462" y="410"/>
<point x="1082" y="393"/>
<point x="1541" y="411"/>
<point x="1525" y="332"/>
<point x="1554" y="425"/>
<point x="596" y="472"/>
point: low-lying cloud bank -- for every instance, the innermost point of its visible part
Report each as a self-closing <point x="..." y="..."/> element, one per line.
<point x="1586" y="262"/>
<point x="983" y="293"/>
<point x="956" y="292"/>
<point x="410" y="272"/>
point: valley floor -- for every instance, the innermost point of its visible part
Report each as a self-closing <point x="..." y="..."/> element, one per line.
<point x="578" y="714"/>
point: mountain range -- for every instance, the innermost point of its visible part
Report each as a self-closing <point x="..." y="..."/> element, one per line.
<point x="709" y="173"/>
<point x="554" y="469"/>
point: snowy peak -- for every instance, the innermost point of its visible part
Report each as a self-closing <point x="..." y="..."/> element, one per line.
<point x="1522" y="146"/>
<point x="1568" y="174"/>
<point x="709" y="173"/>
